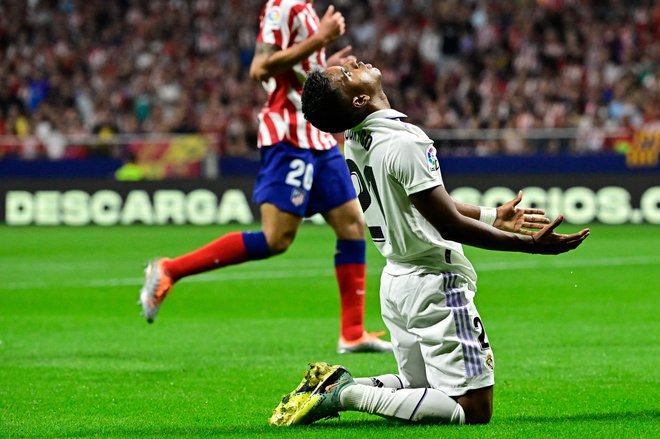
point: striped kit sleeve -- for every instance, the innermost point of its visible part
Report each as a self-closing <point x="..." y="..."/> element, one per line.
<point x="285" y="23"/>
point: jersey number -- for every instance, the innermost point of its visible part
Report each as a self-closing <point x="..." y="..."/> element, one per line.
<point x="300" y="169"/>
<point x="483" y="340"/>
<point x="367" y="182"/>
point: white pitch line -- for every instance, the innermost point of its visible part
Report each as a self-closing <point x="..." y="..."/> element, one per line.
<point x="290" y="272"/>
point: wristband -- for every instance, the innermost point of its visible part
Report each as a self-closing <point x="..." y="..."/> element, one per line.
<point x="488" y="215"/>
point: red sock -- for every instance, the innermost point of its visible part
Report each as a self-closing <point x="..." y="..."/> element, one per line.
<point x="226" y="250"/>
<point x="352" y="283"/>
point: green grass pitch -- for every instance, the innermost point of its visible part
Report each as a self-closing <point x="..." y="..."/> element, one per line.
<point x="575" y="337"/>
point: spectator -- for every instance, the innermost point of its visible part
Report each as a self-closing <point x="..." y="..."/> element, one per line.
<point x="173" y="66"/>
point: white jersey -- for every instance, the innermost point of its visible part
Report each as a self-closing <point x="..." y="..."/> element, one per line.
<point x="390" y="159"/>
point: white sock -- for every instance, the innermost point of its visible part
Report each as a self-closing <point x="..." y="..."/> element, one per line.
<point x="413" y="405"/>
<point x="390" y="380"/>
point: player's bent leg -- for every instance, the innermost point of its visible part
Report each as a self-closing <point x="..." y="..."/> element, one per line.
<point x="279" y="227"/>
<point x="424" y="406"/>
<point x="327" y="390"/>
<point x="230" y="249"/>
<point x="477" y="405"/>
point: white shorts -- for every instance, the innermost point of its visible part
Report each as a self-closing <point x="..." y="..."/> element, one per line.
<point x="437" y="334"/>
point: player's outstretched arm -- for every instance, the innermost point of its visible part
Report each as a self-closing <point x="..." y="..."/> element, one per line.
<point x="440" y="210"/>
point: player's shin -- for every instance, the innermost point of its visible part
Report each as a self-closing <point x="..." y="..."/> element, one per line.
<point x="390" y="381"/>
<point x="350" y="269"/>
<point x="230" y="249"/>
<point x="409" y="405"/>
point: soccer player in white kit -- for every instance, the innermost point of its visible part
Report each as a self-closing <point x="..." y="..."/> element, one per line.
<point x="446" y="366"/>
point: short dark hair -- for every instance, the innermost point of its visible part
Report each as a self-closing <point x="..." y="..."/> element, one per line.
<point x="322" y="104"/>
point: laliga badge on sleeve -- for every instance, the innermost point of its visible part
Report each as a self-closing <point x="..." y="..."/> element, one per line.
<point x="432" y="159"/>
<point x="273" y="17"/>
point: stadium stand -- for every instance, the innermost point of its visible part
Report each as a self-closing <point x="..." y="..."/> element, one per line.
<point x="74" y="68"/>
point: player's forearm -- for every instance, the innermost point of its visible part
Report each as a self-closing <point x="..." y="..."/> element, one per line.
<point x="267" y="64"/>
<point x="486" y="215"/>
<point x="468" y="210"/>
<point x="472" y="232"/>
<point x="441" y="211"/>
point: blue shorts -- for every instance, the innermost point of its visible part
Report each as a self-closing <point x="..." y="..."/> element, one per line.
<point x="302" y="181"/>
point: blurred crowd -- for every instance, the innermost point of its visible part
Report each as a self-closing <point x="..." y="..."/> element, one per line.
<point x="71" y="68"/>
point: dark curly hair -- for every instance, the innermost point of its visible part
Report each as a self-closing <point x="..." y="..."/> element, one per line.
<point x="322" y="104"/>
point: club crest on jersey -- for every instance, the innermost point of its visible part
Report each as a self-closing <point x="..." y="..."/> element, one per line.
<point x="297" y="197"/>
<point x="432" y="158"/>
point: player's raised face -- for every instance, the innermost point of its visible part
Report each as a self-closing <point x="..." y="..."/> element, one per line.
<point x="356" y="78"/>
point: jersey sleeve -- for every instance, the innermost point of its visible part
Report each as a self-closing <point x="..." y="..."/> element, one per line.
<point x="413" y="162"/>
<point x="274" y="28"/>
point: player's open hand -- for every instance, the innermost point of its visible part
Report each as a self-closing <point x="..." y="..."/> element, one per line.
<point x="547" y="242"/>
<point x="510" y="218"/>
<point x="332" y="25"/>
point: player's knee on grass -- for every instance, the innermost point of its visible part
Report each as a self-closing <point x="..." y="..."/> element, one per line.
<point x="477" y="405"/>
<point x="478" y="416"/>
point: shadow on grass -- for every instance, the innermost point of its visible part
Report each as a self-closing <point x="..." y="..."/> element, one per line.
<point x="334" y="427"/>
<point x="645" y="415"/>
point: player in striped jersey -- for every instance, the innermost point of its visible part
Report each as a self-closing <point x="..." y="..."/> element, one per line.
<point x="302" y="173"/>
<point x="446" y="366"/>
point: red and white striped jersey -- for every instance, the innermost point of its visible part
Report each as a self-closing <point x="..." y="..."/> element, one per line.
<point x="285" y="23"/>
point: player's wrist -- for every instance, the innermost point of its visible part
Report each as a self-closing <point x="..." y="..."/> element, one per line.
<point x="320" y="40"/>
<point x="487" y="215"/>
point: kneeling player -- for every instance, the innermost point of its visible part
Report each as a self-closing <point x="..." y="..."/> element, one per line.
<point x="428" y="285"/>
